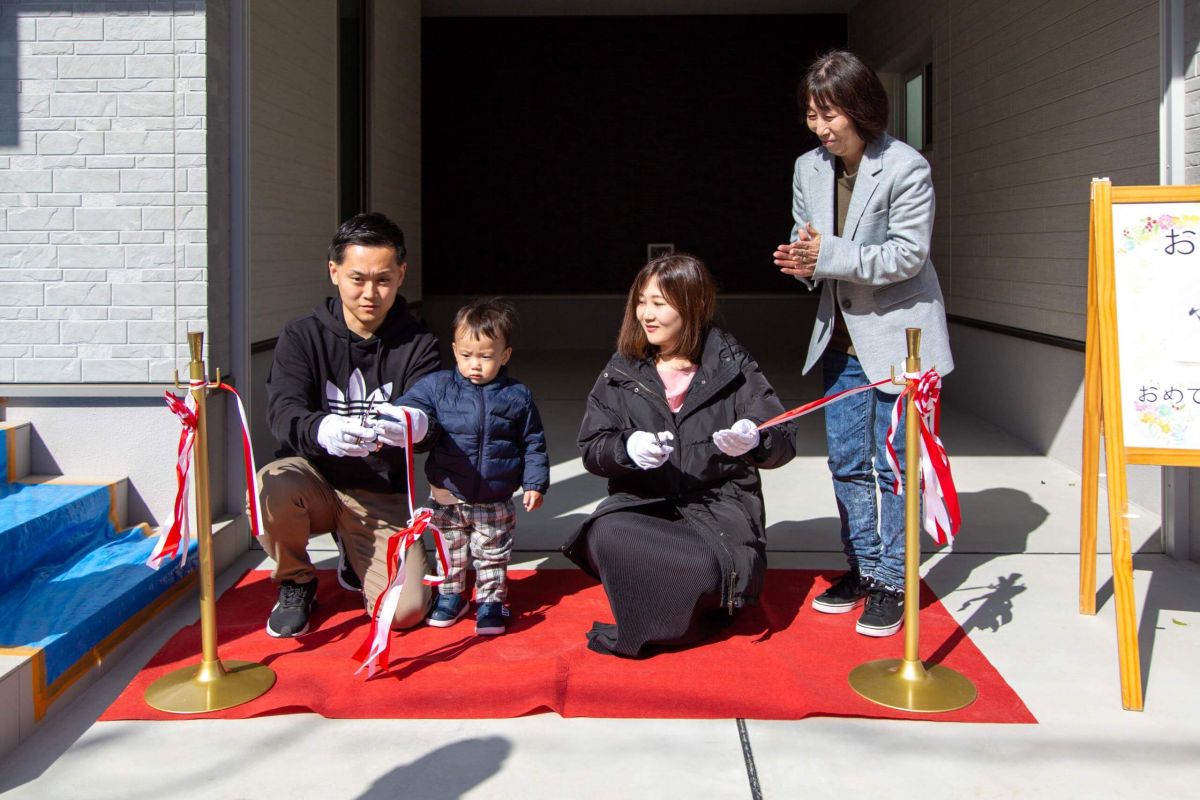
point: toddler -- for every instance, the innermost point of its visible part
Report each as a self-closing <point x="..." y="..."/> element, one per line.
<point x="486" y="442"/>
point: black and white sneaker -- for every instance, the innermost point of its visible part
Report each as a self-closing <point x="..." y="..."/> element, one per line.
<point x="347" y="578"/>
<point x="845" y="595"/>
<point x="884" y="612"/>
<point x="289" y="617"/>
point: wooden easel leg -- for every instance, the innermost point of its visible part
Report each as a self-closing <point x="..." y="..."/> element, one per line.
<point x="1090" y="496"/>
<point x="1091" y="441"/>
<point x="1128" y="654"/>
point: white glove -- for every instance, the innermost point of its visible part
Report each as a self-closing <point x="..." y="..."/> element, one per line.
<point x="649" y="450"/>
<point x="389" y="424"/>
<point x="738" y="440"/>
<point x="345" y="436"/>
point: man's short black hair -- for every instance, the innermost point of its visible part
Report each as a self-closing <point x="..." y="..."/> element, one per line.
<point x="367" y="230"/>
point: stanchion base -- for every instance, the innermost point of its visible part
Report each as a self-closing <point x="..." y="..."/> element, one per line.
<point x="202" y="687"/>
<point x="911" y="686"/>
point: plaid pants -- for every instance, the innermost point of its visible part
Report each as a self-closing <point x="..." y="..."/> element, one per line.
<point x="486" y="529"/>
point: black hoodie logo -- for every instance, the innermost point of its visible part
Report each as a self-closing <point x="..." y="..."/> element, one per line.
<point x="355" y="402"/>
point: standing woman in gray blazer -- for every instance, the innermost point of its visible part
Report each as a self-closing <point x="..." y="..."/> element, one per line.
<point x="863" y="209"/>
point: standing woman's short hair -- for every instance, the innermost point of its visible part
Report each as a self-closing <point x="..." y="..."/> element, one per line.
<point x="841" y="80"/>
<point x="689" y="287"/>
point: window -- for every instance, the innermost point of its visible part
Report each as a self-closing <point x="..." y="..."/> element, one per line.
<point x="917" y="124"/>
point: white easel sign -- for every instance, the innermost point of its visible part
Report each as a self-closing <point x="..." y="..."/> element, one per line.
<point x="1156" y="250"/>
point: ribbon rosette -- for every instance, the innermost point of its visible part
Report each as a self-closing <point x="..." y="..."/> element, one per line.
<point x="175" y="539"/>
<point x="373" y="654"/>
<point x="374" y="651"/>
<point x="939" y="497"/>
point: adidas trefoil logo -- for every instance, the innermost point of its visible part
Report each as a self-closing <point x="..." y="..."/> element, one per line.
<point x="355" y="402"/>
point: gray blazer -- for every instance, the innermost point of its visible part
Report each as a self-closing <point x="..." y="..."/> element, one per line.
<point x="878" y="270"/>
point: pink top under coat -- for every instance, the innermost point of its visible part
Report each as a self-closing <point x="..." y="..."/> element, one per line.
<point x="676" y="382"/>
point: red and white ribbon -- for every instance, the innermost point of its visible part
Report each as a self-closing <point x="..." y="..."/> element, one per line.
<point x="373" y="654"/>
<point x="817" y="405"/>
<point x="939" y="497"/>
<point x="175" y="538"/>
<point x="941" y="512"/>
<point x="248" y="464"/>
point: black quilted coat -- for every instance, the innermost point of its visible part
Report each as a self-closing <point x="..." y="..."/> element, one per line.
<point x="721" y="496"/>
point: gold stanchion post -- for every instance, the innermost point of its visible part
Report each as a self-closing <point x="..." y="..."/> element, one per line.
<point x="908" y="684"/>
<point x="211" y="685"/>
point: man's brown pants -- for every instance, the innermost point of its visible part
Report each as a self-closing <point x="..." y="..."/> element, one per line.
<point x="298" y="503"/>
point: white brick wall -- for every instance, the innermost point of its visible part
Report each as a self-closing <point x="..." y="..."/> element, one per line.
<point x="103" y="260"/>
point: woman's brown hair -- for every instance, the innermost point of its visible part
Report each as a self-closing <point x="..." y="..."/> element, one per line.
<point x="689" y="288"/>
<point x="840" y="79"/>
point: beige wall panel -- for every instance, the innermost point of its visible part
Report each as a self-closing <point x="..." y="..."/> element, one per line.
<point x="396" y="126"/>
<point x="1031" y="100"/>
<point x="293" y="157"/>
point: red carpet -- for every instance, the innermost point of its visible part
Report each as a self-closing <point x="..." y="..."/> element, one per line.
<point x="781" y="660"/>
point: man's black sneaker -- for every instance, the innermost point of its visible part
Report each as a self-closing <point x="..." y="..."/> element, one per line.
<point x="884" y="612"/>
<point x="289" y="617"/>
<point x="845" y="595"/>
<point x="347" y="578"/>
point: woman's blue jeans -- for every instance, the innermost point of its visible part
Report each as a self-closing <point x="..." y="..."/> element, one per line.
<point x="856" y="431"/>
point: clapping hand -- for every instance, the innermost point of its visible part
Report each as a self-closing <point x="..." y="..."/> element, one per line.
<point x="737" y="440"/>
<point x="649" y="450"/>
<point x="799" y="259"/>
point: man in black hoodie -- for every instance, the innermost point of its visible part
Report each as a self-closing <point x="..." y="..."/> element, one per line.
<point x="340" y="467"/>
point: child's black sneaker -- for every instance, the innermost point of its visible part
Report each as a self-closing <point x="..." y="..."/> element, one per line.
<point x="491" y="619"/>
<point x="884" y="612"/>
<point x="845" y="595"/>
<point x="289" y="617"/>
<point x="347" y="578"/>
<point x="447" y="610"/>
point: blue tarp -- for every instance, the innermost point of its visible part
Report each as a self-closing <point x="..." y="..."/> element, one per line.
<point x="69" y="607"/>
<point x="48" y="523"/>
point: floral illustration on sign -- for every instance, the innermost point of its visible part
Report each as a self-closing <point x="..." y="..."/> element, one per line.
<point x="1151" y="228"/>
<point x="1158" y="410"/>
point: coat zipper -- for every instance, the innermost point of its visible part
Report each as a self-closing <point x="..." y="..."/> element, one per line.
<point x="482" y="433"/>
<point x="648" y="390"/>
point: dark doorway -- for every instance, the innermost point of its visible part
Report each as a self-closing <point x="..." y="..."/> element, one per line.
<point x="556" y="149"/>
<point x="354" y="18"/>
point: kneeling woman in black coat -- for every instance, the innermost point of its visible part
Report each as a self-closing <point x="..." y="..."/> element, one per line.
<point x="679" y="543"/>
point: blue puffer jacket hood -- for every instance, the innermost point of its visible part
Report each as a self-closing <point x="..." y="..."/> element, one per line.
<point x="487" y="441"/>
